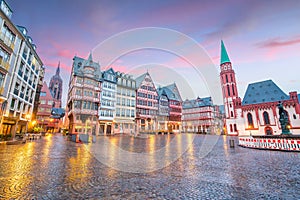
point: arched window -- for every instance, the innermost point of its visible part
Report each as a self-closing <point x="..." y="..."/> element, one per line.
<point x="226" y="78"/>
<point x="231" y="79"/>
<point x="228" y="90"/>
<point x="231" y="114"/>
<point x="233" y="92"/>
<point x="231" y="130"/>
<point x="250" y="120"/>
<point x="266" y="118"/>
<point x="294" y="116"/>
<point x="235" y="128"/>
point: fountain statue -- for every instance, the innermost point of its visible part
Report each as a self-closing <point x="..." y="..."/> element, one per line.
<point x="283" y="119"/>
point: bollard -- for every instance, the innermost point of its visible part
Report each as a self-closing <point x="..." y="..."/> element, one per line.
<point x="231" y="143"/>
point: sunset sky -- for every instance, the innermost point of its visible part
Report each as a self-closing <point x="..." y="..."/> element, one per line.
<point x="262" y="38"/>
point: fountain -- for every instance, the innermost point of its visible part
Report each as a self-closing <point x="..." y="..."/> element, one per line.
<point x="286" y="141"/>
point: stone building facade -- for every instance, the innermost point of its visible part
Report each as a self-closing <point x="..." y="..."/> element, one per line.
<point x="146" y="103"/>
<point x="257" y="113"/>
<point x="20" y="72"/>
<point x="108" y="102"/>
<point x="198" y="115"/>
<point x="125" y="104"/>
<point x="83" y="104"/>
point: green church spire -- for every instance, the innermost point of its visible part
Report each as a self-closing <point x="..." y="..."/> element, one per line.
<point x="224" y="55"/>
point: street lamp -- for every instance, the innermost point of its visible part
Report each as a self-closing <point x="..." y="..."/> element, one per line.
<point x="51" y="123"/>
<point x="33" y="123"/>
<point x="42" y="125"/>
<point x="86" y="126"/>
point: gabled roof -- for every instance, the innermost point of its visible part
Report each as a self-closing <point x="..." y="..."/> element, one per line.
<point x="47" y="91"/>
<point x="171" y="91"/>
<point x="263" y="92"/>
<point x="140" y="79"/>
<point x="161" y="91"/>
<point x="79" y="65"/>
<point x="57" y="113"/>
<point x="162" y="94"/>
<point x="105" y="76"/>
<point x="224" y="55"/>
<point x="196" y="103"/>
<point x="110" y="71"/>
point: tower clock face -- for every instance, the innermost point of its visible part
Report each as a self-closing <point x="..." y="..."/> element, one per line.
<point x="225" y="67"/>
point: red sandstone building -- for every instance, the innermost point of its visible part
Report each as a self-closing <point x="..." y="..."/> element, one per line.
<point x="257" y="113"/>
<point x="43" y="117"/>
<point x="146" y="102"/>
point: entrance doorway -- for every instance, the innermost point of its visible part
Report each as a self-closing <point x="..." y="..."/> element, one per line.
<point x="102" y="128"/>
<point x="268" y="130"/>
<point x="108" y="129"/>
<point x="6" y="129"/>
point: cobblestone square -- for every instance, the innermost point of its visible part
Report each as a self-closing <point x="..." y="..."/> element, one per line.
<point x="55" y="168"/>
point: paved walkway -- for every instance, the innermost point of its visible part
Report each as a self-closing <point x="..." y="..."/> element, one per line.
<point x="54" y="168"/>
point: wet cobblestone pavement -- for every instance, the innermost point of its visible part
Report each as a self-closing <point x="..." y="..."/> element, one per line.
<point x="54" y="168"/>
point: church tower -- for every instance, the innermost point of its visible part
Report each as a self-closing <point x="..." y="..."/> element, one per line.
<point x="230" y="94"/>
<point x="55" y="86"/>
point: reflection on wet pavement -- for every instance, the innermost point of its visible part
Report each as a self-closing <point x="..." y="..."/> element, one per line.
<point x="54" y="168"/>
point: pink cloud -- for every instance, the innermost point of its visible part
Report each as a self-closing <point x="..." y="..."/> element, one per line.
<point x="66" y="53"/>
<point x="116" y="68"/>
<point x="278" y="42"/>
<point x="52" y="65"/>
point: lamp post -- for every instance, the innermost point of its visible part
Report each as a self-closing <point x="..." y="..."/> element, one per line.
<point x="33" y="123"/>
<point x="42" y="124"/>
<point x="52" y="124"/>
<point x="86" y="126"/>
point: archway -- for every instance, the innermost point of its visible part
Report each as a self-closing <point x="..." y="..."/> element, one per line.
<point x="268" y="130"/>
